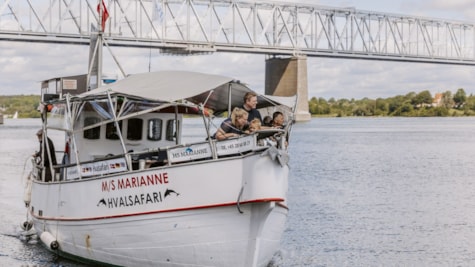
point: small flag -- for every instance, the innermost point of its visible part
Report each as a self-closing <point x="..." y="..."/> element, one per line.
<point x="157" y="13"/>
<point x="101" y="8"/>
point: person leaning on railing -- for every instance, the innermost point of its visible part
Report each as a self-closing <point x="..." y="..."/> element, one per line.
<point x="254" y="125"/>
<point x="234" y="126"/>
<point x="267" y="121"/>
<point x="278" y="123"/>
<point x="278" y="120"/>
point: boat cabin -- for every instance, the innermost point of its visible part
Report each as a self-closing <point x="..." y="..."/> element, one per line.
<point x="152" y="130"/>
<point x="129" y="125"/>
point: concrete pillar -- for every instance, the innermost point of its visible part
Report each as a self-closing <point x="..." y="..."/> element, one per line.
<point x="287" y="77"/>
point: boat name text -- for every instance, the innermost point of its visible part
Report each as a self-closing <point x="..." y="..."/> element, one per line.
<point x="190" y="152"/>
<point x="135" y="182"/>
<point x="131" y="200"/>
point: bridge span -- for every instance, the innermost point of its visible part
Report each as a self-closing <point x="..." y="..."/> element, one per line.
<point x="287" y="32"/>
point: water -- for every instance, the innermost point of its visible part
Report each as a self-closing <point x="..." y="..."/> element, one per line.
<point x="363" y="192"/>
<point x="383" y="191"/>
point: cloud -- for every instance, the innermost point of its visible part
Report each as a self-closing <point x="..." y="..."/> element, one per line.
<point x="459" y="10"/>
<point x="345" y="78"/>
<point x="24" y="65"/>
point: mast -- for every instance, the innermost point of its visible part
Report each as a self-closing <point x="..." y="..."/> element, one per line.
<point x="94" y="74"/>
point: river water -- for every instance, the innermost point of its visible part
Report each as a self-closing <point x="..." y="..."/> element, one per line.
<point x="362" y="192"/>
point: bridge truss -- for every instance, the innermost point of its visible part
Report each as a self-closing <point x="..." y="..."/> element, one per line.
<point x="264" y="27"/>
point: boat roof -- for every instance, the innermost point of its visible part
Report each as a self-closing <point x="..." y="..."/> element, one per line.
<point x="173" y="86"/>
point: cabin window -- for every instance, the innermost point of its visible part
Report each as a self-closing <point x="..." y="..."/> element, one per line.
<point x="111" y="132"/>
<point x="94" y="133"/>
<point x="134" y="129"/>
<point x="171" y="130"/>
<point x="154" y="131"/>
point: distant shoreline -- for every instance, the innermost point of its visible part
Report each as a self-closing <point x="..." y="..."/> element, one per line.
<point x="413" y="104"/>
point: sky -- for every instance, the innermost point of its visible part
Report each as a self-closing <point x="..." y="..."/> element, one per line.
<point x="24" y="65"/>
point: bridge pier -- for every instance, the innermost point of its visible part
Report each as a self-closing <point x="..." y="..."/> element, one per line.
<point x="286" y="77"/>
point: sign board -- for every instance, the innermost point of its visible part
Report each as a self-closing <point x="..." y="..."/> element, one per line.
<point x="192" y="152"/>
<point x="70" y="84"/>
<point x="97" y="168"/>
<point x="235" y="146"/>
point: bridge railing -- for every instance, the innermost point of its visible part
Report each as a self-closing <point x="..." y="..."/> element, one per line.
<point x="205" y="26"/>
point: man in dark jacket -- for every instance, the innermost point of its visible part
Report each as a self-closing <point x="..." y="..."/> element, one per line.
<point x="42" y="157"/>
<point x="250" y="103"/>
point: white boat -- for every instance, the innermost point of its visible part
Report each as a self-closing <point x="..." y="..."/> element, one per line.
<point x="15" y="116"/>
<point x="131" y="192"/>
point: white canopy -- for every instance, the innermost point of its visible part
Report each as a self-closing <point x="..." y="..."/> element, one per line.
<point x="170" y="86"/>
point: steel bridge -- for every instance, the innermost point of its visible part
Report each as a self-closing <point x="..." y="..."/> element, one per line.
<point x="273" y="28"/>
<point x="264" y="27"/>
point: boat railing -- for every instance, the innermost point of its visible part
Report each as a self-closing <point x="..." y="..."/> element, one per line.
<point x="99" y="167"/>
<point x="171" y="155"/>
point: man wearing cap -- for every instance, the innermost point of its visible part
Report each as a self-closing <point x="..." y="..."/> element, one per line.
<point x="44" y="154"/>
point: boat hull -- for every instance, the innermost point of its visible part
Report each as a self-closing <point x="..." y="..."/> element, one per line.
<point x="196" y="214"/>
<point x="219" y="236"/>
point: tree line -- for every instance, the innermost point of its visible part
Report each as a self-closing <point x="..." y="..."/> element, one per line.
<point x="421" y="104"/>
<point x="25" y="105"/>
